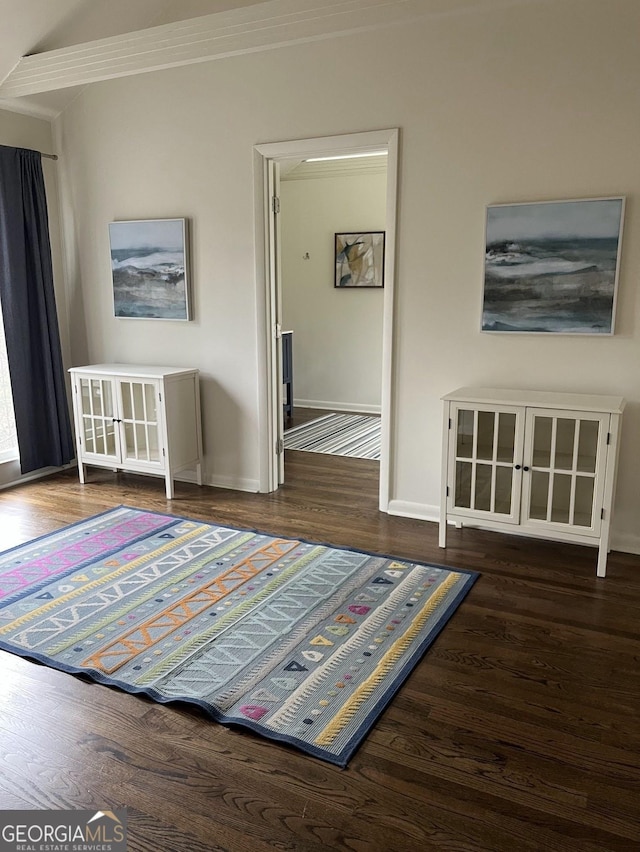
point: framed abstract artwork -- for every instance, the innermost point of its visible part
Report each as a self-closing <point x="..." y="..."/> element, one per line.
<point x="359" y="260"/>
<point x="552" y="267"/>
<point x="149" y="268"/>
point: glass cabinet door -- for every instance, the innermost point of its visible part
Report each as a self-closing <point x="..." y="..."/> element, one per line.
<point x="486" y="454"/>
<point x="140" y="427"/>
<point x="562" y="487"/>
<point x="98" y="426"/>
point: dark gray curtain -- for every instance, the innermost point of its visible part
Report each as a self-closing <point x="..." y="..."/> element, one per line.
<point x="29" y="314"/>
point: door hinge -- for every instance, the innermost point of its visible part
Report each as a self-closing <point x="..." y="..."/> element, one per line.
<point x="159" y="397"/>
<point x="275" y="204"/>
<point x="163" y="452"/>
<point x="449" y="423"/>
<point x="447" y="490"/>
<point x="279" y="446"/>
<point x="608" y="437"/>
<point x="602" y="514"/>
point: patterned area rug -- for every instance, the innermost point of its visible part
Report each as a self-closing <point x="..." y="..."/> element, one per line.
<point x="300" y="642"/>
<point x="356" y="435"/>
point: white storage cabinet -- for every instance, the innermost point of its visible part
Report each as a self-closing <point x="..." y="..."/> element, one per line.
<point x="531" y="463"/>
<point x="140" y="419"/>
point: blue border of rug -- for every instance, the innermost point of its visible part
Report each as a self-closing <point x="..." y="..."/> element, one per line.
<point x="342" y="758"/>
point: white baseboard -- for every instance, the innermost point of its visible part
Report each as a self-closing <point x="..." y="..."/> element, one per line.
<point x="37" y="474"/>
<point x="621" y="541"/>
<point x="419" y="511"/>
<point x="625" y="542"/>
<point x="355" y="407"/>
<point x="231" y="482"/>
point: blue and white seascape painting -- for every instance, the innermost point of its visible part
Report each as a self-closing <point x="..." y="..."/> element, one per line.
<point x="149" y="269"/>
<point x="552" y="266"/>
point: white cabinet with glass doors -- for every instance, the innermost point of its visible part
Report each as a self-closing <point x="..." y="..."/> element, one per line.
<point x="140" y="419"/>
<point x="532" y="463"/>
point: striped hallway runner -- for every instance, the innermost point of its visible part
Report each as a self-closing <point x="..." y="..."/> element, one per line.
<point x="355" y="435"/>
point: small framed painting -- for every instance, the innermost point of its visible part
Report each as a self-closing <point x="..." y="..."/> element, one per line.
<point x="149" y="268"/>
<point x="359" y="260"/>
<point x="552" y="267"/>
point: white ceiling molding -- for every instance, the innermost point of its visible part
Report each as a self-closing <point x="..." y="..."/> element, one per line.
<point x="259" y="27"/>
<point x="25" y="107"/>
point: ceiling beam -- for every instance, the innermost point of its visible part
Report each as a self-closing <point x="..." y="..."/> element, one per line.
<point x="262" y="26"/>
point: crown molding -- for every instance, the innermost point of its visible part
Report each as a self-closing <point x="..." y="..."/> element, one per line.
<point x="337" y="168"/>
<point x="262" y="26"/>
<point x="24" y="107"/>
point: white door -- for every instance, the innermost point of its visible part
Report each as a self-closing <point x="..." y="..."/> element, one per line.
<point x="563" y="485"/>
<point x="275" y="273"/>
<point x="140" y="424"/>
<point x="98" y="426"/>
<point x="485" y="455"/>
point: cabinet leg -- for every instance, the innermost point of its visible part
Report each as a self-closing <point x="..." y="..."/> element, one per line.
<point x="169" y="487"/>
<point x="82" y="474"/>
<point x="199" y="474"/>
<point x="442" y="540"/>
<point x="601" y="570"/>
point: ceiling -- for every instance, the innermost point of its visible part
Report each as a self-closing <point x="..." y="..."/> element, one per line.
<point x="297" y="169"/>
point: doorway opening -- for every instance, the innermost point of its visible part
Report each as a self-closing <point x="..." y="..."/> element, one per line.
<point x="332" y="215"/>
<point x="269" y="160"/>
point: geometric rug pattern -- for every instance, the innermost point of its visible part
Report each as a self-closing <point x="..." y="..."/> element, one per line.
<point x="302" y="643"/>
<point x="355" y="435"/>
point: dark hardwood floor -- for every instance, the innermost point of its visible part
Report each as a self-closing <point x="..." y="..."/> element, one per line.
<point x="519" y="730"/>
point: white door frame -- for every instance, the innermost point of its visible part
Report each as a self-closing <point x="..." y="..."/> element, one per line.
<point x="267" y="308"/>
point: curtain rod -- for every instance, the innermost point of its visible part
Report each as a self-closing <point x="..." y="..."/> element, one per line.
<point x="49" y="156"/>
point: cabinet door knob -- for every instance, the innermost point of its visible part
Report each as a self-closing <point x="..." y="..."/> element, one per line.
<point x="525" y="467"/>
<point x="518" y="466"/>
